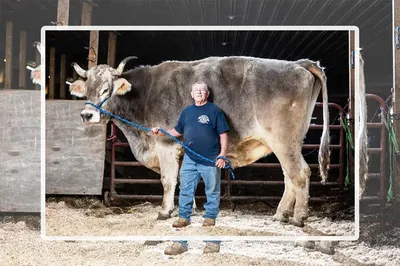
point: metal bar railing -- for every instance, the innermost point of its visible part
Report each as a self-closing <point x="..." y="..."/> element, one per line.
<point x="382" y="151"/>
<point x="228" y="180"/>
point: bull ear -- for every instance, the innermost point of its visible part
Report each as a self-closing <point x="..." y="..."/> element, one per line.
<point x="36" y="75"/>
<point x="78" y="88"/>
<point x="121" y="86"/>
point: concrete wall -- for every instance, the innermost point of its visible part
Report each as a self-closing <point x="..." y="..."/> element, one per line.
<point x="75" y="152"/>
<point x="20" y="151"/>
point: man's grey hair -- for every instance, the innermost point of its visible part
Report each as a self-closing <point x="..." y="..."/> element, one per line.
<point x="201" y="83"/>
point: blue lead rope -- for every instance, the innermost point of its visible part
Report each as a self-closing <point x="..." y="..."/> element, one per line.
<point x="102" y="111"/>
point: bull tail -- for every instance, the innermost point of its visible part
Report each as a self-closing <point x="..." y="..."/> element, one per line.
<point x="363" y="134"/>
<point x="324" y="151"/>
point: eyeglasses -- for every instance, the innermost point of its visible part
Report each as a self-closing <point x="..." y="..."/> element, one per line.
<point x="200" y="90"/>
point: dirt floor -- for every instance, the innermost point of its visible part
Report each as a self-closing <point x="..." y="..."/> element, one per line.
<point x="89" y="217"/>
<point x="20" y="244"/>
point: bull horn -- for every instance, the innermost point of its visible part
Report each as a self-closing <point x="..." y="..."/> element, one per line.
<point x="121" y="65"/>
<point x="38" y="46"/>
<point x="81" y="72"/>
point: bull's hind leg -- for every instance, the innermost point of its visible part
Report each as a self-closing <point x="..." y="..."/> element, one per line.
<point x="302" y="190"/>
<point x="297" y="170"/>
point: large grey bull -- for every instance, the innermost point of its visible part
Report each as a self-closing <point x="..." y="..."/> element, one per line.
<point x="268" y="104"/>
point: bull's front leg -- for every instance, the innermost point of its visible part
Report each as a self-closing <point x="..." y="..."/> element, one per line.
<point x="169" y="168"/>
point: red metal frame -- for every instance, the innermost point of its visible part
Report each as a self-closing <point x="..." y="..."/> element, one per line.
<point x="382" y="150"/>
<point x="228" y="182"/>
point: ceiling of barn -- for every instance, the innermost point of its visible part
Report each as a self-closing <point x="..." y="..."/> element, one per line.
<point x="373" y="17"/>
<point x="154" y="47"/>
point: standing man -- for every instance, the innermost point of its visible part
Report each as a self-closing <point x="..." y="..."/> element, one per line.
<point x="204" y="128"/>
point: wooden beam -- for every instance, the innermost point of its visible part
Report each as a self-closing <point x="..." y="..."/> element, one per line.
<point x="112" y="42"/>
<point x="94" y="35"/>
<point x="396" y="97"/>
<point x="52" y="72"/>
<point x="63" y="74"/>
<point x="351" y="100"/>
<point x="93" y="48"/>
<point x="86" y="13"/>
<point x="9" y="53"/>
<point x="352" y="81"/>
<point x="22" y="59"/>
<point x="62" y="12"/>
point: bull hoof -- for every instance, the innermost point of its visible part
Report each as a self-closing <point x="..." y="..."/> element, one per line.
<point x="162" y="216"/>
<point x="283" y="218"/>
<point x="326" y="250"/>
<point x="298" y="223"/>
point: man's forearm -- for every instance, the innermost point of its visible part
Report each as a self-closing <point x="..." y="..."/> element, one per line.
<point x="174" y="133"/>
<point x="223" y="138"/>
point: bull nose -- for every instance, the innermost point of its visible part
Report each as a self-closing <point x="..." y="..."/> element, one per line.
<point x="86" y="116"/>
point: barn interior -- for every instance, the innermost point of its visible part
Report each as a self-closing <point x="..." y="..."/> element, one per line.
<point x="331" y="48"/>
<point x="373" y="18"/>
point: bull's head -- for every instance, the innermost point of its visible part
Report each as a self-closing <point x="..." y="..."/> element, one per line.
<point x="102" y="83"/>
<point x="36" y="72"/>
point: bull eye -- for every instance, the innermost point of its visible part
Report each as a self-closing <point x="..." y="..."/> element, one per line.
<point x="104" y="91"/>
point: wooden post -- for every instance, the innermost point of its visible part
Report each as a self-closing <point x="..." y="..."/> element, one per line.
<point x="22" y="59"/>
<point x="351" y="100"/>
<point x="63" y="66"/>
<point x="52" y="72"/>
<point x="9" y="54"/>
<point x="62" y="12"/>
<point x="396" y="97"/>
<point x="62" y="19"/>
<point x="86" y="13"/>
<point x="94" y="35"/>
<point x="93" y="48"/>
<point x="112" y="42"/>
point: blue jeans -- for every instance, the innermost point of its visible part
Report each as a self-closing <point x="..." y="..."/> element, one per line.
<point x="190" y="174"/>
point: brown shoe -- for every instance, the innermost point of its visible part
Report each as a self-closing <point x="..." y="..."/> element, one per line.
<point x="175" y="249"/>
<point x="211" y="248"/>
<point x="181" y="222"/>
<point x="209" y="222"/>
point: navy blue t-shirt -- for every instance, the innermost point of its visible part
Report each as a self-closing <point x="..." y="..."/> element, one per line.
<point x="201" y="126"/>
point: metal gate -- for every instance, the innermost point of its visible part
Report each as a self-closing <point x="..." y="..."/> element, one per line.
<point x="377" y="179"/>
<point x="337" y="184"/>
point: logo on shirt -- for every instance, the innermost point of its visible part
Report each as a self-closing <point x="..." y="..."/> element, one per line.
<point x="204" y="119"/>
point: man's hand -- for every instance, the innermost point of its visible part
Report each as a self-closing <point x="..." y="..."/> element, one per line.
<point x="156" y="131"/>
<point x="220" y="163"/>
